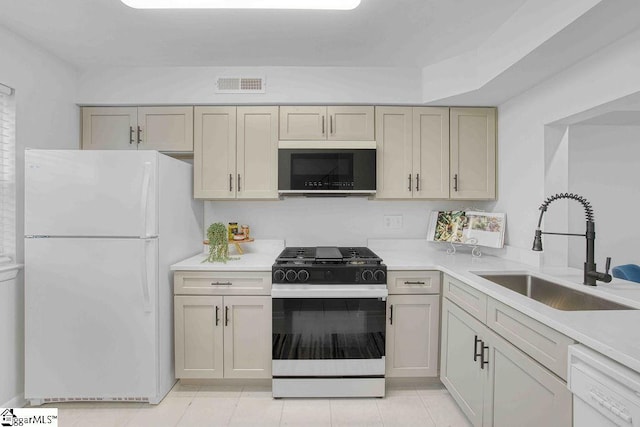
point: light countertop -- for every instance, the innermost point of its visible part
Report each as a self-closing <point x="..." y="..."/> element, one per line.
<point x="258" y="256"/>
<point x="614" y="333"/>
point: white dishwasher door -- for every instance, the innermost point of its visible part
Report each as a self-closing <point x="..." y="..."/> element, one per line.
<point x="605" y="393"/>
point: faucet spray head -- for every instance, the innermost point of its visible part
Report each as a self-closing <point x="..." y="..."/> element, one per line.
<point x="537" y="241"/>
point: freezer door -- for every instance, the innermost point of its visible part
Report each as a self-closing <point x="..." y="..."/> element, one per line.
<point x="90" y="193"/>
<point x="91" y="318"/>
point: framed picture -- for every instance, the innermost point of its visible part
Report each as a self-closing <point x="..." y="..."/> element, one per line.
<point x="467" y="228"/>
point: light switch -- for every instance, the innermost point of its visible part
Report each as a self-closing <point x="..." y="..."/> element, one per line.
<point x="393" y="221"/>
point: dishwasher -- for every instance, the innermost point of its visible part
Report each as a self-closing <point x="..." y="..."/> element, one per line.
<point x="605" y="393"/>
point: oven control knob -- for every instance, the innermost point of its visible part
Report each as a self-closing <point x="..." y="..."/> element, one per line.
<point x="367" y="275"/>
<point x="303" y="275"/>
<point x="278" y="275"/>
<point x="291" y="275"/>
<point x="379" y="275"/>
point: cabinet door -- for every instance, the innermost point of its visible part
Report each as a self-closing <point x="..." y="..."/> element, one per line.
<point x="303" y="123"/>
<point x="214" y="154"/>
<point x="198" y="336"/>
<point x="165" y="128"/>
<point x="431" y="152"/>
<point x="247" y="337"/>
<point x="473" y="153"/>
<point x="109" y="128"/>
<point x="353" y="123"/>
<point x="412" y="335"/>
<point x="257" y="161"/>
<point x="394" y="135"/>
<point x="522" y="392"/>
<point x="459" y="372"/>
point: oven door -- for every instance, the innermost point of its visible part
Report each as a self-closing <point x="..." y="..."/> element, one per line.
<point x="326" y="170"/>
<point x="328" y="330"/>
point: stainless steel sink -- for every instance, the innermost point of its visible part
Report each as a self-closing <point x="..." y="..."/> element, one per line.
<point x="552" y="294"/>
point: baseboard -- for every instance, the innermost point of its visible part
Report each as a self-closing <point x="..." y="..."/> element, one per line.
<point x="17" y="402"/>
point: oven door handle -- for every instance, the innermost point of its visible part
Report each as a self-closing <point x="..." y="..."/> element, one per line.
<point x="329" y="291"/>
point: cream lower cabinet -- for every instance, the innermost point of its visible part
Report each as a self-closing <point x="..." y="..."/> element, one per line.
<point x="223" y="337"/>
<point x="163" y="128"/>
<point x="236" y="153"/>
<point x="219" y="334"/>
<point x="413" y="313"/>
<point x="495" y="383"/>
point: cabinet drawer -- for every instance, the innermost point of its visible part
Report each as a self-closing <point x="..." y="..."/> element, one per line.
<point x="542" y="343"/>
<point x="222" y="283"/>
<point x="413" y="282"/>
<point x="471" y="300"/>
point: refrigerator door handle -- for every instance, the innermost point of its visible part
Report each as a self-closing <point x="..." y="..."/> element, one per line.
<point x="144" y="199"/>
<point x="146" y="293"/>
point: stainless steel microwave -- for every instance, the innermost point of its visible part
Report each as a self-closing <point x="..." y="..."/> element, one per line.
<point x="327" y="167"/>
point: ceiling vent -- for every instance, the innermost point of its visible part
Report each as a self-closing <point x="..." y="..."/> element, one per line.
<point x="240" y="85"/>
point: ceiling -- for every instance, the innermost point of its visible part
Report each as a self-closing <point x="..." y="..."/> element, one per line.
<point x="379" y="33"/>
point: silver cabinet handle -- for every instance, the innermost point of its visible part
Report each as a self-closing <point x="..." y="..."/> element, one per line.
<point x="220" y="283"/>
<point x="417" y="182"/>
<point x="226" y="315"/>
<point x="455" y="182"/>
<point x="331" y="125"/>
<point x="391" y="315"/>
<point x="238" y="182"/>
<point x="217" y="315"/>
<point x="409" y="182"/>
<point x="323" y="125"/>
<point x="414" y="283"/>
<point x="230" y="182"/>
<point x="139" y="134"/>
<point x="131" y="135"/>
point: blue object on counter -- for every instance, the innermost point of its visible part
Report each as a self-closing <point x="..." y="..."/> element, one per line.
<point x="627" y="272"/>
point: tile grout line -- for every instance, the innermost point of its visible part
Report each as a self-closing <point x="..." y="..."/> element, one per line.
<point x="426" y="407"/>
<point x="235" y="407"/>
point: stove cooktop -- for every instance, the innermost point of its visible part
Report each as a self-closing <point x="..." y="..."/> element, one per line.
<point x="329" y="265"/>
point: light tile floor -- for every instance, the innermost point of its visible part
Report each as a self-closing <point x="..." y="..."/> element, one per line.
<point x="201" y="406"/>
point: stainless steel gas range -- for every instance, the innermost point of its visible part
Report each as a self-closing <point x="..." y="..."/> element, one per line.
<point x="329" y="307"/>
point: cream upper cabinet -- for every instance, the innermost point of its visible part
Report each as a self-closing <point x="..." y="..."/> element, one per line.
<point x="394" y="153"/>
<point x="168" y="129"/>
<point x="473" y="153"/>
<point x="303" y="123"/>
<point x="430" y="153"/>
<point x="413" y="152"/>
<point x="165" y="128"/>
<point x="109" y="128"/>
<point x="257" y="153"/>
<point x="214" y="153"/>
<point x="236" y="153"/>
<point x="333" y="123"/>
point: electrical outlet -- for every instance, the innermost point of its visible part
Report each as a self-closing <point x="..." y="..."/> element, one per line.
<point x="392" y="221"/>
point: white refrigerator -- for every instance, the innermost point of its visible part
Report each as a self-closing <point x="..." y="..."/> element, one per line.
<point x="101" y="230"/>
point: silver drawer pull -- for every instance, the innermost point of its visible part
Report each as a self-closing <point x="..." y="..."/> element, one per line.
<point x="220" y="283"/>
<point x="414" y="283"/>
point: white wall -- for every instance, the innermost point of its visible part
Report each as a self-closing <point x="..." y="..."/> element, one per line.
<point x="346" y="221"/>
<point x="284" y="85"/>
<point x="611" y="73"/>
<point x="46" y="117"/>
<point x="604" y="166"/>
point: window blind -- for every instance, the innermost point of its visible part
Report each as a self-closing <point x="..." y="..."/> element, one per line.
<point x="7" y="176"/>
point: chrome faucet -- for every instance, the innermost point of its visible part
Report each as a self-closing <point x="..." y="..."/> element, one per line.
<point x="591" y="275"/>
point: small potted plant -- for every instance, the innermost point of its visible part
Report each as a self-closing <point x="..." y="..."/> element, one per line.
<point x="218" y="243"/>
